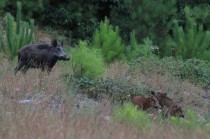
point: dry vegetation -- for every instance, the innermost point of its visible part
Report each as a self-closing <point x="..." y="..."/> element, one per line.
<point x="52" y="113"/>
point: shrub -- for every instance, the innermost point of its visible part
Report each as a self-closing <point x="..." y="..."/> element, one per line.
<point x="191" y="41"/>
<point x="117" y="90"/>
<point x="108" y="40"/>
<point x="195" y="70"/>
<point x="135" y="50"/>
<point x="132" y="116"/>
<point x="198" y="71"/>
<point x="86" y="62"/>
<point x="191" y="120"/>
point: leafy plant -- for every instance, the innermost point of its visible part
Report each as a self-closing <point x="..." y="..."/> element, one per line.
<point x="195" y="70"/>
<point x="86" y="62"/>
<point x="151" y="19"/>
<point x="131" y="115"/>
<point x="191" y="120"/>
<point x="108" y="40"/>
<point x="18" y="33"/>
<point x="191" y="41"/>
<point x="117" y="90"/>
<point x="135" y="50"/>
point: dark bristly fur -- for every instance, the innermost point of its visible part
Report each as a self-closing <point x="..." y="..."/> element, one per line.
<point x="42" y="56"/>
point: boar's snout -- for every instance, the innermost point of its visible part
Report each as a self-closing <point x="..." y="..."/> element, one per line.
<point x="65" y="58"/>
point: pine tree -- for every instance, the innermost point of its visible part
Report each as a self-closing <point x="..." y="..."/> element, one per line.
<point x="108" y="40"/>
<point x="191" y="41"/>
<point x="18" y="33"/>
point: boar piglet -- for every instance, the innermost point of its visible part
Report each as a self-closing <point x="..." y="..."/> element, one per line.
<point x="173" y="108"/>
<point x="43" y="56"/>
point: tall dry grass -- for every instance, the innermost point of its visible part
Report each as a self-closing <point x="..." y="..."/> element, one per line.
<point x="185" y="93"/>
<point x="38" y="120"/>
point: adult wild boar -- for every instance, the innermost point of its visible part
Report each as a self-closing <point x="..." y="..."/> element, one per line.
<point x="42" y="56"/>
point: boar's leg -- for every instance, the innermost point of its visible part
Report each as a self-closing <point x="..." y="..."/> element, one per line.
<point x="19" y="66"/>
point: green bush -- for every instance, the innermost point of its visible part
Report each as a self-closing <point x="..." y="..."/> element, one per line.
<point x="195" y="70"/>
<point x="131" y="115"/>
<point x="108" y="40"/>
<point x="191" y="41"/>
<point x="86" y="62"/>
<point x="117" y="90"/>
<point x="191" y="120"/>
<point x="135" y="50"/>
<point x="198" y="71"/>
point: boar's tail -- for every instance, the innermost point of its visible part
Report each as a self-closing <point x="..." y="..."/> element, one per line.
<point x="19" y="56"/>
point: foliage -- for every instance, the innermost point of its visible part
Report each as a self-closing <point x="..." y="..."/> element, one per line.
<point x="191" y="120"/>
<point x="151" y="19"/>
<point x="131" y="115"/>
<point x="191" y="41"/>
<point x="117" y="90"/>
<point x="195" y="70"/>
<point x="108" y="40"/>
<point x="201" y="14"/>
<point x="135" y="50"/>
<point x="30" y="8"/>
<point x="18" y="33"/>
<point x="79" y="17"/>
<point x="86" y="62"/>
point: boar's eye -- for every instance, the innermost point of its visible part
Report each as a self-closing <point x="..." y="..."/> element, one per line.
<point x="58" y="49"/>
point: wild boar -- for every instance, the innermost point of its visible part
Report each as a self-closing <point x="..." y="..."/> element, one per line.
<point x="145" y="103"/>
<point x="43" y="56"/>
<point x="172" y="107"/>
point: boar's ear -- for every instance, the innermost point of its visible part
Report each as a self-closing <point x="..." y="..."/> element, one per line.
<point x="54" y="43"/>
<point x="62" y="43"/>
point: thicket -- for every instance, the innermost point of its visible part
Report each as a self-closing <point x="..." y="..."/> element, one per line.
<point x="151" y="19"/>
<point x="117" y="90"/>
<point x="195" y="70"/>
<point x="190" y="41"/>
<point x="148" y="18"/>
<point x="86" y="62"/>
<point x="31" y="8"/>
<point x="190" y="122"/>
<point x="17" y="35"/>
<point x="131" y="115"/>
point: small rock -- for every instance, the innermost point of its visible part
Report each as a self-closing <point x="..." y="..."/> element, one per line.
<point x="17" y="90"/>
<point x="107" y="118"/>
<point x="186" y="94"/>
<point x="27" y="100"/>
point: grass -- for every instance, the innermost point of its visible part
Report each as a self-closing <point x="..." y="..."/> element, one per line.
<point x="52" y="113"/>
